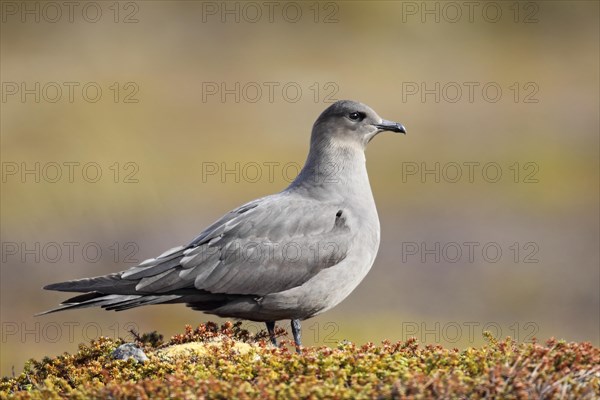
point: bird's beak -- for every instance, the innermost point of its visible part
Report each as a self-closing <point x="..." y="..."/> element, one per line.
<point x="391" y="126"/>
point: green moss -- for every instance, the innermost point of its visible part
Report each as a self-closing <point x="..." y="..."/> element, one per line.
<point x="228" y="362"/>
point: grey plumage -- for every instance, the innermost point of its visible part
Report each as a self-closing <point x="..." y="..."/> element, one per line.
<point x="291" y="255"/>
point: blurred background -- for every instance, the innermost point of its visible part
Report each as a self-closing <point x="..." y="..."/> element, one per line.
<point x="128" y="127"/>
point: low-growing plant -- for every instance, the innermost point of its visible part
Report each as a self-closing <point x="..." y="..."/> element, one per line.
<point x="500" y="369"/>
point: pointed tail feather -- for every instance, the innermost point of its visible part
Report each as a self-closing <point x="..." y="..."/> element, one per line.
<point x="108" y="284"/>
<point x="117" y="302"/>
<point x="88" y="300"/>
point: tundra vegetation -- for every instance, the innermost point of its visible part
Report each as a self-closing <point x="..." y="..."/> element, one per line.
<point x="226" y="362"/>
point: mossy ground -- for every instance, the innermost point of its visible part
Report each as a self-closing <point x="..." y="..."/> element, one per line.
<point x="227" y="362"/>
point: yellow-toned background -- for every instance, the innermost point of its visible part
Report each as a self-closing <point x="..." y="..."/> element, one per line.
<point x="370" y="51"/>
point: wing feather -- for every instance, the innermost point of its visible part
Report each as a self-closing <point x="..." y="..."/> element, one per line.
<point x="266" y="246"/>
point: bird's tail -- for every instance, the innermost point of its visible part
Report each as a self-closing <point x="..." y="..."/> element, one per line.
<point x="111" y="283"/>
<point x="116" y="302"/>
<point x="109" y="292"/>
<point x="134" y="287"/>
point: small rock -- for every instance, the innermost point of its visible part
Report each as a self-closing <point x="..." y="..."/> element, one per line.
<point x="201" y="348"/>
<point x="127" y="350"/>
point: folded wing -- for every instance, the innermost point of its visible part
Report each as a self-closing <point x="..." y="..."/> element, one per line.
<point x="265" y="246"/>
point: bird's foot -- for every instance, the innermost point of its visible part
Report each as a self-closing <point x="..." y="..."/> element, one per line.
<point x="271" y="330"/>
<point x="296" y="332"/>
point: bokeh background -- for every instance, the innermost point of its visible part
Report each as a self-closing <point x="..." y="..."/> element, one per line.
<point x="159" y="124"/>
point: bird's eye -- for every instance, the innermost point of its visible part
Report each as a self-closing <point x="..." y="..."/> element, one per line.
<point x="356" y="116"/>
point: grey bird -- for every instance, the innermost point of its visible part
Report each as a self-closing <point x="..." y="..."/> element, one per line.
<point x="290" y="255"/>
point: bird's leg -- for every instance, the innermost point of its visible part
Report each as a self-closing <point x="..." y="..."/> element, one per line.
<point x="296" y="331"/>
<point x="271" y="330"/>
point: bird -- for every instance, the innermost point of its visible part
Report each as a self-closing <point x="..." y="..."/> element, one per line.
<point x="287" y="256"/>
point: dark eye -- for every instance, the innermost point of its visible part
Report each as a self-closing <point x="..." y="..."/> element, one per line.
<point x="356" y="116"/>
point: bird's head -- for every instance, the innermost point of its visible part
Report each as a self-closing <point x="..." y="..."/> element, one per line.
<point x="350" y="122"/>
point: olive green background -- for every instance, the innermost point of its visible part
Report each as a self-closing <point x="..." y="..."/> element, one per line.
<point x="374" y="52"/>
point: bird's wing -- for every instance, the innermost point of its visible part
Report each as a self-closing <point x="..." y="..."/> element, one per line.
<point x="265" y="246"/>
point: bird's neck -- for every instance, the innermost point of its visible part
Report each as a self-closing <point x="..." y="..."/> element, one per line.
<point x="333" y="167"/>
